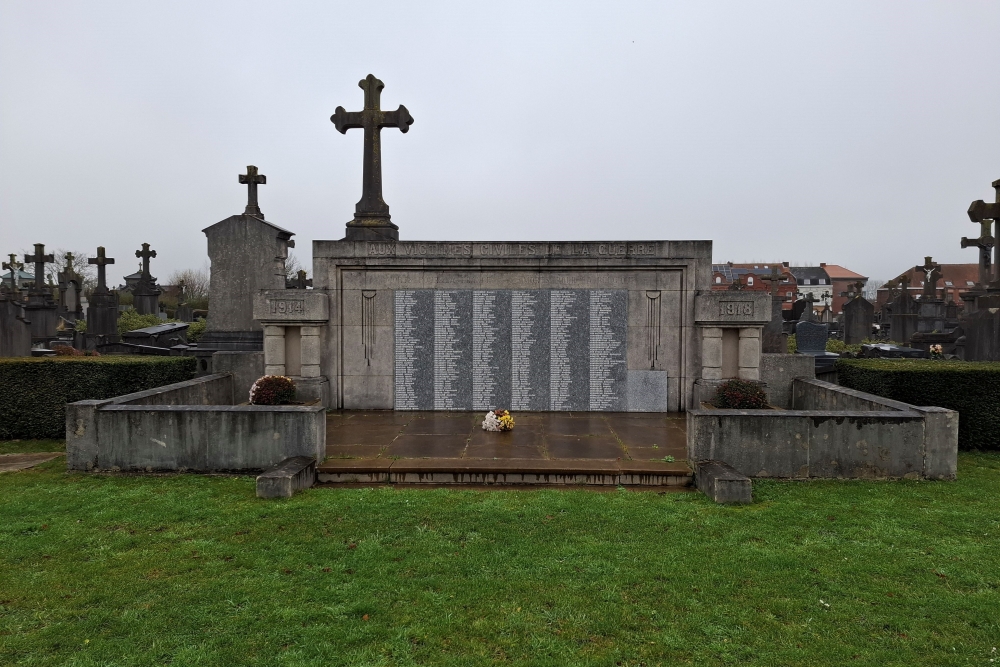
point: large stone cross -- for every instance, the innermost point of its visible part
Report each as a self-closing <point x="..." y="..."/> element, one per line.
<point x="985" y="244"/>
<point x="371" y="210"/>
<point x="40" y="259"/>
<point x="774" y="279"/>
<point x="980" y="211"/>
<point x="252" y="179"/>
<point x="145" y="254"/>
<point x="932" y="273"/>
<point x="101" y="261"/>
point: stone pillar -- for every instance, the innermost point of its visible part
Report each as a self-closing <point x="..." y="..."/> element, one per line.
<point x="749" y="353"/>
<point x="711" y="353"/>
<point x="274" y="350"/>
<point x="310" y="352"/>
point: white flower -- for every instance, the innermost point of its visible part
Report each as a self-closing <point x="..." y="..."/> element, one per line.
<point x="491" y="423"/>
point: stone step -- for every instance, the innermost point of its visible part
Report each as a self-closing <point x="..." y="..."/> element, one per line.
<point x="284" y="479"/>
<point x="722" y="483"/>
<point x="598" y="472"/>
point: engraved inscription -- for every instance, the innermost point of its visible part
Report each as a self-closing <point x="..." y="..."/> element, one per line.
<point x="653" y="327"/>
<point x="286" y="306"/>
<point x="736" y="308"/>
<point x="368" y="324"/>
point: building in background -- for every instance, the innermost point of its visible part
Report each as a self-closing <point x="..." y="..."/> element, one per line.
<point x="751" y="276"/>
<point x="842" y="280"/>
<point x="955" y="279"/>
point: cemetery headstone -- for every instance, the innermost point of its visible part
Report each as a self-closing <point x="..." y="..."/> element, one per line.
<point x="102" y="313"/>
<point x="811" y="338"/>
<point x="772" y="338"/>
<point x="247" y="255"/>
<point x="41" y="307"/>
<point x="985" y="245"/>
<point x="859" y="315"/>
<point x="184" y="311"/>
<point x="982" y="324"/>
<point x="903" y="321"/>
<point x="70" y="292"/>
<point x="146" y="295"/>
<point x="15" y="329"/>
<point x="371" y="215"/>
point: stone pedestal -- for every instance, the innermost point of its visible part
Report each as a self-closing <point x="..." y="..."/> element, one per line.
<point x="293" y="321"/>
<point x="730" y="324"/>
<point x="15" y="329"/>
<point x="102" y="318"/>
<point x="931" y="316"/>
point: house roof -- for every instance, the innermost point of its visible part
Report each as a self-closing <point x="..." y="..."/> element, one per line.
<point x="961" y="276"/>
<point x="802" y="273"/>
<point x="837" y="272"/>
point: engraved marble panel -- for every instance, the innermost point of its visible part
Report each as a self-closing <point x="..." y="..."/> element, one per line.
<point x="530" y="349"/>
<point x="414" y="350"/>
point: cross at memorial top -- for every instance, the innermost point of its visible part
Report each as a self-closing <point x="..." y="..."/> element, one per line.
<point x="372" y="211"/>
<point x="39" y="259"/>
<point x="101" y="261"/>
<point x="252" y="179"/>
<point x="145" y="254"/>
<point x="13" y="266"/>
<point x="932" y="273"/>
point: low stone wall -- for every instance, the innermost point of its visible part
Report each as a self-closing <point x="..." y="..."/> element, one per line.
<point x="778" y="370"/>
<point x="189" y="426"/>
<point x="833" y="432"/>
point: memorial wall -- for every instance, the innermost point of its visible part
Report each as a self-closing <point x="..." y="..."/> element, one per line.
<point x="518" y="349"/>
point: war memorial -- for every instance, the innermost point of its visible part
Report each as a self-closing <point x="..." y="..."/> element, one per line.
<point x="609" y="354"/>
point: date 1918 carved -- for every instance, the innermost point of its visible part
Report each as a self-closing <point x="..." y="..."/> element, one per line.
<point x="736" y="308"/>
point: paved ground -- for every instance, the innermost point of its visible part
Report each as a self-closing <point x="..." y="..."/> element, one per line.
<point x="551" y="436"/>
<point x="11" y="462"/>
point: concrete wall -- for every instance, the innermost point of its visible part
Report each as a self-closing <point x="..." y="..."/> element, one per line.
<point x="778" y="371"/>
<point x="245" y="367"/>
<point x="841" y="433"/>
<point x="189" y="426"/>
<point x="240" y="437"/>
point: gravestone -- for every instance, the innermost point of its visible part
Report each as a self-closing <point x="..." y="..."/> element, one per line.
<point x="184" y="312"/>
<point x="859" y="316"/>
<point x="15" y="329"/>
<point x="810" y="339"/>
<point x="41" y="309"/>
<point x="985" y="246"/>
<point x="772" y="338"/>
<point x="70" y="292"/>
<point x="931" y="310"/>
<point x="146" y="295"/>
<point x="247" y="255"/>
<point x="982" y="323"/>
<point x="903" y="321"/>
<point x="102" y="313"/>
<point x="371" y="215"/>
<point x="165" y="335"/>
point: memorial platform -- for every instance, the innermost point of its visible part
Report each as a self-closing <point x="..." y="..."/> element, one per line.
<point x="545" y="448"/>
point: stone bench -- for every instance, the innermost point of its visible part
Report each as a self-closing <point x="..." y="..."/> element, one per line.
<point x="284" y="479"/>
<point x="723" y="483"/>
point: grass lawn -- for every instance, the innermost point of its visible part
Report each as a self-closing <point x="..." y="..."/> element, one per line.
<point x="194" y="570"/>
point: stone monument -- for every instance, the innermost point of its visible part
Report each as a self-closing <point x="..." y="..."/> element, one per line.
<point x="70" y="292"/>
<point x="981" y="323"/>
<point x="371" y="215"/>
<point x="247" y="255"/>
<point x="41" y="309"/>
<point x="146" y="295"/>
<point x="102" y="314"/>
<point x="15" y="329"/>
<point x="773" y="338"/>
<point x="903" y="321"/>
<point x="184" y="312"/>
<point x="859" y="316"/>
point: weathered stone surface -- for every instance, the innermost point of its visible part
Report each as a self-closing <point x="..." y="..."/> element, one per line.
<point x="15" y="329"/>
<point x="723" y="483"/>
<point x="289" y="476"/>
<point x="245" y="367"/>
<point x="777" y="372"/>
<point x="859" y="314"/>
<point x="291" y="306"/>
<point x="733" y="308"/>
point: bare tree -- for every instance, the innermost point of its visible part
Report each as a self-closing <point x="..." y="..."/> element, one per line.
<point x="196" y="283"/>
<point x="870" y="290"/>
<point x="87" y="271"/>
<point x="292" y="267"/>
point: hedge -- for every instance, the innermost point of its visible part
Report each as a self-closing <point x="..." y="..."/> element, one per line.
<point x="37" y="389"/>
<point x="970" y="387"/>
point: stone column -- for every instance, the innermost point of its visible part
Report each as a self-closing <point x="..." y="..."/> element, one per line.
<point x="749" y="353"/>
<point x="310" y="352"/>
<point x="711" y="353"/>
<point x="274" y="350"/>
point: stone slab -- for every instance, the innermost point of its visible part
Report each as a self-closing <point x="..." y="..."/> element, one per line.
<point x="722" y="483"/>
<point x="289" y="476"/>
<point x="12" y="462"/>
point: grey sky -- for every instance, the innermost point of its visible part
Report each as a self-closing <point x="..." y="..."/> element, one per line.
<point x="847" y="132"/>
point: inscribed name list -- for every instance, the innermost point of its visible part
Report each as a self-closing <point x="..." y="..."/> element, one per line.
<point x="522" y="349"/>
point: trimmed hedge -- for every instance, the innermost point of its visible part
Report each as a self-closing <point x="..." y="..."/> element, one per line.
<point x="37" y="389"/>
<point x="970" y="387"/>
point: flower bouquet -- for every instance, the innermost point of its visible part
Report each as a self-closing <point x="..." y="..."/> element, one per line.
<point x="498" y="420"/>
<point x="936" y="351"/>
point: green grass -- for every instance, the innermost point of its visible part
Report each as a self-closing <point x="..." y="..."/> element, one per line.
<point x="194" y="570"/>
<point x="26" y="446"/>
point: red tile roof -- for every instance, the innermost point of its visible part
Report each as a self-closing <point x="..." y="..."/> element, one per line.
<point x="837" y="272"/>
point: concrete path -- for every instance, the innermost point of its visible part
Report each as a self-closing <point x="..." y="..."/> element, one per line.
<point x="12" y="462"/>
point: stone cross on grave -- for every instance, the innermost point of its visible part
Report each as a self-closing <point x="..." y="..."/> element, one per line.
<point x="371" y="211"/>
<point x="13" y="266"/>
<point x="145" y="254"/>
<point x="932" y="273"/>
<point x="252" y="179"/>
<point x="774" y="280"/>
<point x="985" y="244"/>
<point x="980" y="211"/>
<point x="101" y="261"/>
<point x="40" y="259"/>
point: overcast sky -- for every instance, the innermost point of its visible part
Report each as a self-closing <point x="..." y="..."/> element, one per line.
<point x="854" y="133"/>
